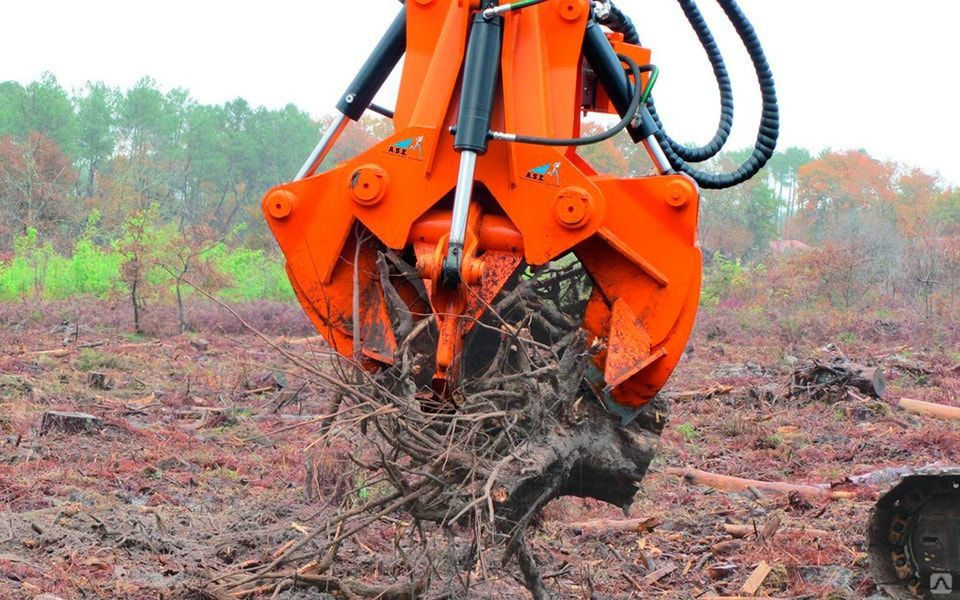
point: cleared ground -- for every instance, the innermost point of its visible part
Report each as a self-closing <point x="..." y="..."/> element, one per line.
<point x="198" y="467"/>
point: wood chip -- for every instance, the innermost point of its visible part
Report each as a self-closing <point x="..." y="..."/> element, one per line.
<point x="718" y="572"/>
<point x="659" y="574"/>
<point x="757" y="578"/>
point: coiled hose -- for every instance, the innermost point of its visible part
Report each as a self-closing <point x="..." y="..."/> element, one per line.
<point x="621" y="23"/>
<point x="679" y="155"/>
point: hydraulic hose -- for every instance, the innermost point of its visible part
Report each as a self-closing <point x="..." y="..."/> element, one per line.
<point x="638" y="98"/>
<point x="621" y="23"/>
<point x="769" y="130"/>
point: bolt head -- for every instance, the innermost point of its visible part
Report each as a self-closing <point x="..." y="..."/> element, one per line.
<point x="679" y="192"/>
<point x="571" y="10"/>
<point x="573" y="207"/>
<point x="279" y="204"/>
<point x="368" y="185"/>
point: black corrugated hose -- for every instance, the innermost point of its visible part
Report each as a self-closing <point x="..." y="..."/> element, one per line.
<point x="621" y="23"/>
<point x="680" y="155"/>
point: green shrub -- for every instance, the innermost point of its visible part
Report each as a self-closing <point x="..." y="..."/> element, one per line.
<point x="37" y="270"/>
<point x="254" y="275"/>
<point x="688" y="431"/>
<point x="16" y="280"/>
<point x="721" y="278"/>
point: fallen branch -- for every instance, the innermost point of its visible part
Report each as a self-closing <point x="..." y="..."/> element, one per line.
<point x="659" y="574"/>
<point x="56" y="353"/>
<point x="742" y="531"/>
<point x="930" y="409"/>
<point x="727" y="483"/>
<point x="307" y="341"/>
<point x="705" y="393"/>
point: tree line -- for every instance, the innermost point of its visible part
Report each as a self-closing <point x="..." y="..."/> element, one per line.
<point x="121" y="152"/>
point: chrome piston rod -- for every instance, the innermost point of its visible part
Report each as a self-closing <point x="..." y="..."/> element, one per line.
<point x="323" y="148"/>
<point x="657" y="155"/>
<point x="462" y="197"/>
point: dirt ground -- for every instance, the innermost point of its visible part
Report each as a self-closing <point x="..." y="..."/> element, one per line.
<point x="198" y="464"/>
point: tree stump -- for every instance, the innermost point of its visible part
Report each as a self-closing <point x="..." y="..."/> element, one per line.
<point x="69" y="422"/>
<point x="525" y="425"/>
<point x="99" y="381"/>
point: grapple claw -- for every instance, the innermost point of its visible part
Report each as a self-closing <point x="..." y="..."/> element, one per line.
<point x="530" y="205"/>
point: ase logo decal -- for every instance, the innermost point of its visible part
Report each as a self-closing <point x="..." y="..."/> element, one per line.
<point x="548" y="174"/>
<point x="411" y="148"/>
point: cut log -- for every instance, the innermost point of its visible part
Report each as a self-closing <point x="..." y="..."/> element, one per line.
<point x="888" y="475"/>
<point x="69" y="422"/>
<point x="820" y="380"/>
<point x="930" y="409"/>
<point x="727" y="483"/>
<point x="600" y="527"/>
<point x="739" y="531"/>
<point x="868" y="380"/>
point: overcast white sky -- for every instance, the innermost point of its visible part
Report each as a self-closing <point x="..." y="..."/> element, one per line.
<point x="873" y="74"/>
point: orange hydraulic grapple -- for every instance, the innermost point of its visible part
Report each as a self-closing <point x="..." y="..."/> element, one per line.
<point x="482" y="179"/>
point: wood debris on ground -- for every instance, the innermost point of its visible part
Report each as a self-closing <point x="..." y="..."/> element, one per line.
<point x="197" y="472"/>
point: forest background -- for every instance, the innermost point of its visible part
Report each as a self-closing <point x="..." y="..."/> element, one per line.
<point x="131" y="196"/>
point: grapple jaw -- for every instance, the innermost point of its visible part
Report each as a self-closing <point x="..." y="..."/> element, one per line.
<point x="635" y="237"/>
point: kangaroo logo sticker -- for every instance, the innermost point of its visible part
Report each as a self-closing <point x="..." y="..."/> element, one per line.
<point x="411" y="148"/>
<point x="548" y="174"/>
